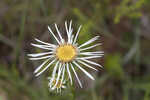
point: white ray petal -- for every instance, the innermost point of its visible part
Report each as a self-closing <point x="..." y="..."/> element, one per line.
<point x="40" y="54"/>
<point x="70" y="36"/>
<point x="55" y="69"/>
<point x="90" y="47"/>
<point x="70" y="26"/>
<point x="42" y="46"/>
<point x="39" y="58"/>
<point x="39" y="45"/>
<point x="86" y="65"/>
<point x="89" y="41"/>
<point x="45" y="68"/>
<point x="53" y="35"/>
<point x="58" y="77"/>
<point x="70" y="32"/>
<point x="52" y="45"/>
<point x="54" y="72"/>
<point x="38" y="68"/>
<point x="70" y="77"/>
<point x="63" y="74"/>
<point x="59" y="33"/>
<point x="93" y="54"/>
<point x="91" y="62"/>
<point x="90" y="57"/>
<point x="75" y="39"/>
<point x="66" y="28"/>
<point x="76" y="75"/>
<point x="88" y="74"/>
<point x="63" y="41"/>
<point x="71" y="40"/>
<point x="96" y="52"/>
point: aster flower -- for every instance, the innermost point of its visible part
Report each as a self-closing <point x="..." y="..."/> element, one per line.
<point x="65" y="56"/>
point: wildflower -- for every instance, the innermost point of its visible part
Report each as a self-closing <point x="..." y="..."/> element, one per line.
<point x="66" y="55"/>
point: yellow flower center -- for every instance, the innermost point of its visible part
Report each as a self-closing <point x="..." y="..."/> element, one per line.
<point x="66" y="53"/>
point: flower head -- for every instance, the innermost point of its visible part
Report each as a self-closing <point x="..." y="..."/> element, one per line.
<point x="65" y="56"/>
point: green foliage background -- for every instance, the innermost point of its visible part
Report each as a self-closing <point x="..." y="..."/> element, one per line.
<point x="124" y="29"/>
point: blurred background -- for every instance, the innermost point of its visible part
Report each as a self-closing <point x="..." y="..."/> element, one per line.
<point x="124" y="27"/>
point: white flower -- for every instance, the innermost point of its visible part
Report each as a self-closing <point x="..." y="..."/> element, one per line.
<point x="66" y="55"/>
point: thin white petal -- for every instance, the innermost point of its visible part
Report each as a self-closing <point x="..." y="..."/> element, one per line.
<point x="59" y="33"/>
<point x="38" y="68"/>
<point x="88" y="74"/>
<point x="58" y="77"/>
<point x="75" y="39"/>
<point x="76" y="75"/>
<point x="63" y="74"/>
<point x="70" y="32"/>
<point x="70" y="36"/>
<point x="67" y="29"/>
<point x="53" y="35"/>
<point x="96" y="52"/>
<point x="70" y="77"/>
<point x="39" y="58"/>
<point x="90" y="47"/>
<point x="71" y="40"/>
<point x="54" y="71"/>
<point x="86" y="65"/>
<point x="39" y="45"/>
<point x="89" y="41"/>
<point x="89" y="54"/>
<point x="45" y="68"/>
<point x="42" y="46"/>
<point x="39" y="54"/>
<point x="63" y="41"/>
<point x="52" y="45"/>
<point x="91" y="62"/>
<point x="70" y="26"/>
<point x="90" y="57"/>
